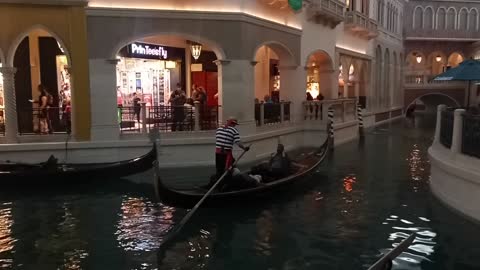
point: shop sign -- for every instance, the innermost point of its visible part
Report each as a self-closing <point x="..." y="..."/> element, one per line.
<point x="150" y="51"/>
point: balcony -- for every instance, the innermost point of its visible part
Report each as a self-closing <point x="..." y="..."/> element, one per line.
<point x="326" y="12"/>
<point x="361" y="25"/>
<point x="425" y="81"/>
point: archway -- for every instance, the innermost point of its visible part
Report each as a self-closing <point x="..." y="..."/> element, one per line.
<point x="378" y="77"/>
<point x="388" y="71"/>
<point x="274" y="73"/>
<point x="429" y="102"/>
<point x="41" y="58"/>
<point x="454" y="60"/>
<point x="149" y="71"/>
<point x="270" y="58"/>
<point x="319" y="80"/>
<point x="436" y="62"/>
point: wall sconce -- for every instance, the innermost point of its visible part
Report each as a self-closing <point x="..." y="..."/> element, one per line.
<point x="438" y="58"/>
<point x="419" y="59"/>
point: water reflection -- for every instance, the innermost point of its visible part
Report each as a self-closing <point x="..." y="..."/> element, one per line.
<point x="422" y="247"/>
<point x="348" y="182"/>
<point x="263" y="242"/>
<point x="142" y="224"/>
<point x="6" y="240"/>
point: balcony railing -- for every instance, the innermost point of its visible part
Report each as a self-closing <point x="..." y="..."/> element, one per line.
<point x="360" y="24"/>
<point x="167" y="118"/>
<point x="415" y="81"/>
<point x="344" y="110"/>
<point x="272" y="113"/>
<point x="326" y="12"/>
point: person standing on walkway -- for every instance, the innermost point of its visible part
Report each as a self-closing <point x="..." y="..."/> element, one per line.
<point x="226" y="136"/>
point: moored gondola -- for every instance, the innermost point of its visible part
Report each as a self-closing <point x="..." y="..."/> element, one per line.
<point x="52" y="172"/>
<point x="188" y="198"/>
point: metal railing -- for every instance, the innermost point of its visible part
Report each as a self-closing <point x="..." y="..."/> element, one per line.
<point x="143" y="119"/>
<point x="471" y="135"/>
<point x="2" y="122"/>
<point x="446" y="130"/>
<point x="272" y="113"/>
<point x="43" y="121"/>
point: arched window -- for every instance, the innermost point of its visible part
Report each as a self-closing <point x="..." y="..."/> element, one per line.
<point x="451" y="16"/>
<point x="473" y="19"/>
<point x="418" y="18"/>
<point x="441" y="19"/>
<point x="463" y="19"/>
<point x="428" y="18"/>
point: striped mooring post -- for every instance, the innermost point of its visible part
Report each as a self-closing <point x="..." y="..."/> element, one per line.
<point x="360" y="119"/>
<point x="331" y="131"/>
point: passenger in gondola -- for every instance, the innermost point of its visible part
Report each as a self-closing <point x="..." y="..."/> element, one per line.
<point x="280" y="164"/>
<point x="277" y="167"/>
<point x="238" y="181"/>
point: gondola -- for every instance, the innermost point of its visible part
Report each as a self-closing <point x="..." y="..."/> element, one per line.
<point x="50" y="171"/>
<point x="188" y="198"/>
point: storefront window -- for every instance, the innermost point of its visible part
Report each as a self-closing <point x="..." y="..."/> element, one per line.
<point x="148" y="78"/>
<point x="149" y="70"/>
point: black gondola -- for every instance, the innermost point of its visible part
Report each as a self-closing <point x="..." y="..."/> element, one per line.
<point x="50" y="171"/>
<point x="188" y="198"/>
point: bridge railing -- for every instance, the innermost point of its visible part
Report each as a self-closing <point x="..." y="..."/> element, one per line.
<point x="422" y="80"/>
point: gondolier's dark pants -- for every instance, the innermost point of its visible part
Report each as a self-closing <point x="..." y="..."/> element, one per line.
<point x="223" y="160"/>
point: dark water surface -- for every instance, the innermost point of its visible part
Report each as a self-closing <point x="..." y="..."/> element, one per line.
<point x="362" y="201"/>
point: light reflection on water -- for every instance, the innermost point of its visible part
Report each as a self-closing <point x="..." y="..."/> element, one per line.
<point x="6" y="240"/>
<point x="359" y="205"/>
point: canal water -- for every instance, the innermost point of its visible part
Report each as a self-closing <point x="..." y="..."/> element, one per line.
<point x="366" y="197"/>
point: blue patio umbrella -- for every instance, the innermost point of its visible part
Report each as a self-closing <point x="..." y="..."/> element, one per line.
<point x="468" y="70"/>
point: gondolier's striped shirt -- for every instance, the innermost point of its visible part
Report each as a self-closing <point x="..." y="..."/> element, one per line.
<point x="226" y="137"/>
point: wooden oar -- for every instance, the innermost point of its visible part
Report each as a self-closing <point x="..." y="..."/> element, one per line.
<point x="385" y="263"/>
<point x="185" y="219"/>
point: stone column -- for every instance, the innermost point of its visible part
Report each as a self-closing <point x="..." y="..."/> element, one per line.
<point x="236" y="92"/>
<point x="438" y="125"/>
<point x="293" y="81"/>
<point x="457" y="131"/>
<point x="10" y="113"/>
<point x="103" y="93"/>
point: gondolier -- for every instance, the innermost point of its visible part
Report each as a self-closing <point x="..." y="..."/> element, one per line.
<point x="226" y="136"/>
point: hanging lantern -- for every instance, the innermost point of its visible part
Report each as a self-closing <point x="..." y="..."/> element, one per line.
<point x="438" y="58"/>
<point x="196" y="49"/>
<point x="295" y="4"/>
